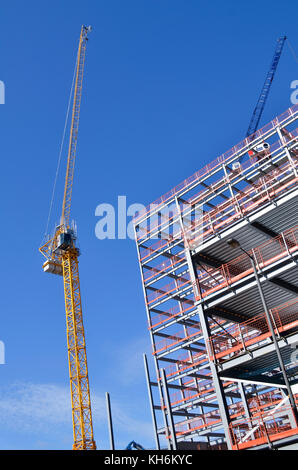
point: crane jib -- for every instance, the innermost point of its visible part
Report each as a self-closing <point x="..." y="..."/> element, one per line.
<point x="66" y="206"/>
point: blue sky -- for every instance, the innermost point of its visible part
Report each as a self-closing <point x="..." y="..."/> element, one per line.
<point x="169" y="85"/>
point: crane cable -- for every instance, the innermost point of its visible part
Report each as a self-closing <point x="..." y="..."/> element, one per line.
<point x="60" y="151"/>
<point x="292" y="51"/>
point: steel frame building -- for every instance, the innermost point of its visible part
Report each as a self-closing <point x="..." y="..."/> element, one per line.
<point x="219" y="316"/>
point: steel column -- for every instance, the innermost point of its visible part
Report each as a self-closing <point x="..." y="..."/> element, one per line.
<point x="169" y="409"/>
<point x="110" y="422"/>
<point x="147" y="374"/>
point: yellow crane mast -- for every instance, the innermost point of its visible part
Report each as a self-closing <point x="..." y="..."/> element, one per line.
<point x="62" y="255"/>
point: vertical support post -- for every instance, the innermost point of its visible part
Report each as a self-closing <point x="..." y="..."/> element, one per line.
<point x="151" y="402"/>
<point x="222" y="403"/>
<point x="110" y="422"/>
<point x="245" y="404"/>
<point x="233" y="197"/>
<point x="169" y="410"/>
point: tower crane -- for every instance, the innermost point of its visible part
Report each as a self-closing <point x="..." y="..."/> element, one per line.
<point x="61" y="253"/>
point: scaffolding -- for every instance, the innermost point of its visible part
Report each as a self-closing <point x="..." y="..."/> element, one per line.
<point x="218" y="257"/>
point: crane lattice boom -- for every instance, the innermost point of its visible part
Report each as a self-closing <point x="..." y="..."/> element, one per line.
<point x="65" y="217"/>
<point x="258" y="111"/>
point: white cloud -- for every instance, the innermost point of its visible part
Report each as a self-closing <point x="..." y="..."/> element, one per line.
<point x="30" y="406"/>
<point x="129" y="362"/>
<point x="44" y="410"/>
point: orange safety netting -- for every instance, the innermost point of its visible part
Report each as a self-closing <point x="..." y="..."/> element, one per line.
<point x="171" y="313"/>
<point x="243" y="203"/>
<point x="253" y="196"/>
<point x="260" y="430"/>
<point x="161" y="268"/>
<point x="158" y="293"/>
<point x="175" y="339"/>
<point x="162" y="222"/>
<point x="211" y="280"/>
<point x="256" y="407"/>
<point x="269" y="252"/>
<point x="237" y="338"/>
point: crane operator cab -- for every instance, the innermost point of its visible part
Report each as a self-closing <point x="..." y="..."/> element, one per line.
<point x="63" y="242"/>
<point x="66" y="241"/>
<point x="260" y="151"/>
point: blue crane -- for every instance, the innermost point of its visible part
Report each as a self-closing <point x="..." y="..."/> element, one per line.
<point x="258" y="111"/>
<point x="134" y="445"/>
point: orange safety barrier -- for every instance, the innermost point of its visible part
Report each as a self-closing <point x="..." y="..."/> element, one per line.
<point x="180" y="309"/>
<point x="256" y="404"/>
<point x="197" y="423"/>
<point x="164" y="266"/>
<point x="241" y="204"/>
<point x="224" y="214"/>
<point x="210" y="418"/>
<point x="260" y="430"/>
<point x="180" y="336"/>
<point x="189" y="395"/>
<point x="183" y="364"/>
<point x="237" y="338"/>
<point x="175" y="339"/>
<point x="164" y="291"/>
<point x="208" y="169"/>
<point x="168" y="315"/>
<point x="161" y="223"/>
<point x="212" y="280"/>
<point x="240" y="267"/>
<point x="147" y="251"/>
<point x="264" y="400"/>
<point x="169" y="216"/>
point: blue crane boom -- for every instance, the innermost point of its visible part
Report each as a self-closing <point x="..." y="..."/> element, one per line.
<point x="255" y="119"/>
<point x="134" y="445"/>
<point x="258" y="111"/>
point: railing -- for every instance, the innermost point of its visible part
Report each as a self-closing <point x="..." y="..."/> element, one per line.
<point x="264" y="400"/>
<point x="250" y="198"/>
<point x="161" y="268"/>
<point x="163" y="221"/>
<point x="249" y="334"/>
<point x="256" y="403"/>
<point x="211" y="280"/>
<point x="241" y="204"/>
<point x="208" y="169"/>
<point x="261" y="430"/>
<point x="198" y="423"/>
<point x="173" y="340"/>
<point x="147" y="251"/>
<point x="168" y="315"/>
<point x="262" y="424"/>
<point x="240" y="267"/>
<point x="190" y="395"/>
<point x="164" y="291"/>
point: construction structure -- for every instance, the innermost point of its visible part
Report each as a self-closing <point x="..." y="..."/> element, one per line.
<point x="61" y="253"/>
<point x="218" y="257"/>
